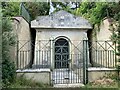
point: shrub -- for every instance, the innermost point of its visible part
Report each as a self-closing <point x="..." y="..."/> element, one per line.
<point x="8" y="39"/>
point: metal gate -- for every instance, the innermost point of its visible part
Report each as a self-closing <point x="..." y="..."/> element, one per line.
<point x="61" y="53"/>
<point x="70" y="62"/>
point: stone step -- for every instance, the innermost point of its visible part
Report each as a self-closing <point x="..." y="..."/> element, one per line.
<point x="68" y="85"/>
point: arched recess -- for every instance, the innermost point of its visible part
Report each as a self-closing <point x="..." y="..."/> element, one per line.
<point x="61" y="52"/>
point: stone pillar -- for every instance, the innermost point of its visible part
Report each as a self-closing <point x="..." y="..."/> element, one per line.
<point x="87" y="47"/>
<point x="52" y="53"/>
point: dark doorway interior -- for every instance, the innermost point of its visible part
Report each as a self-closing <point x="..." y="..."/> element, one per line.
<point x="61" y="53"/>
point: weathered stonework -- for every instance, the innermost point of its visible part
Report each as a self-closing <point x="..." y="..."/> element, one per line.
<point x="104" y="45"/>
<point x="60" y="25"/>
<point x="22" y="31"/>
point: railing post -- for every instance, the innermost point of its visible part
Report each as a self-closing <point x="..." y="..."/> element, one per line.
<point x="17" y="54"/>
<point x="85" y="61"/>
<point x="84" y="73"/>
<point x="115" y="54"/>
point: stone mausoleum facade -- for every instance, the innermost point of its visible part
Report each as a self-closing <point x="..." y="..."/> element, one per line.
<point x="63" y="31"/>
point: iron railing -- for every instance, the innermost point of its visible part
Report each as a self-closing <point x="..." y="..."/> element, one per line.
<point x="41" y="54"/>
<point x="99" y="53"/>
<point x="68" y="62"/>
<point x="102" y="54"/>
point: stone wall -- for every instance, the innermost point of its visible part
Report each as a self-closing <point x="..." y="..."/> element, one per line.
<point x="104" y="33"/>
<point x="105" y="54"/>
<point x="23" y="34"/>
<point x="98" y="73"/>
<point x="43" y="77"/>
<point x="75" y="38"/>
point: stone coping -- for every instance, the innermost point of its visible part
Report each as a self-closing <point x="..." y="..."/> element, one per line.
<point x="33" y="70"/>
<point x="101" y="69"/>
<point x="58" y="27"/>
<point x="48" y="69"/>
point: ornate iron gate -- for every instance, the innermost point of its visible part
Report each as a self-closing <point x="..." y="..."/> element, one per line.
<point x="70" y="62"/>
<point x="61" y="53"/>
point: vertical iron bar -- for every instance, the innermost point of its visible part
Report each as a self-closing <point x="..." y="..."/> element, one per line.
<point x="108" y="59"/>
<point x="113" y="56"/>
<point x="106" y="53"/>
<point x="28" y="62"/>
<point x="23" y="59"/>
<point x="111" y="59"/>
<point x="96" y="53"/>
<point x="79" y="67"/>
<point x="39" y="55"/>
<point x="101" y="56"/>
<point x="36" y="54"/>
<point x="42" y="58"/>
<point x="96" y="57"/>
<point x="47" y="59"/>
<point x="18" y="56"/>
<point x="71" y="67"/>
<point x="84" y="62"/>
<point x="115" y="53"/>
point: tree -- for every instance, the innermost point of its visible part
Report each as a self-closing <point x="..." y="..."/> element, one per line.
<point x="10" y="9"/>
<point x="37" y="8"/>
<point x="93" y="11"/>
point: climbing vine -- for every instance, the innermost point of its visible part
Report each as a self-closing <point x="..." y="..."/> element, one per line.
<point x="95" y="12"/>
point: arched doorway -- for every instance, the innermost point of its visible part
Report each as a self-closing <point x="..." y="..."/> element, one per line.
<point x="61" y="53"/>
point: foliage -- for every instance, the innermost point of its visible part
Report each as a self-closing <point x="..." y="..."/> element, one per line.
<point x="37" y="8"/>
<point x="10" y="9"/>
<point x="115" y="28"/>
<point x="8" y="39"/>
<point x="107" y="81"/>
<point x="22" y="82"/>
<point x="93" y="11"/>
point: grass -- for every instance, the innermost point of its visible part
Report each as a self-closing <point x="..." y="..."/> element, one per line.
<point x="99" y="85"/>
<point x="21" y="82"/>
<point x="108" y="81"/>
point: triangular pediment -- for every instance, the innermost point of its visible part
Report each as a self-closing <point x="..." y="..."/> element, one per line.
<point x="60" y="19"/>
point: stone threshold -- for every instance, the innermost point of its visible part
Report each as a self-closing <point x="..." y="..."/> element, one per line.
<point x="68" y="85"/>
